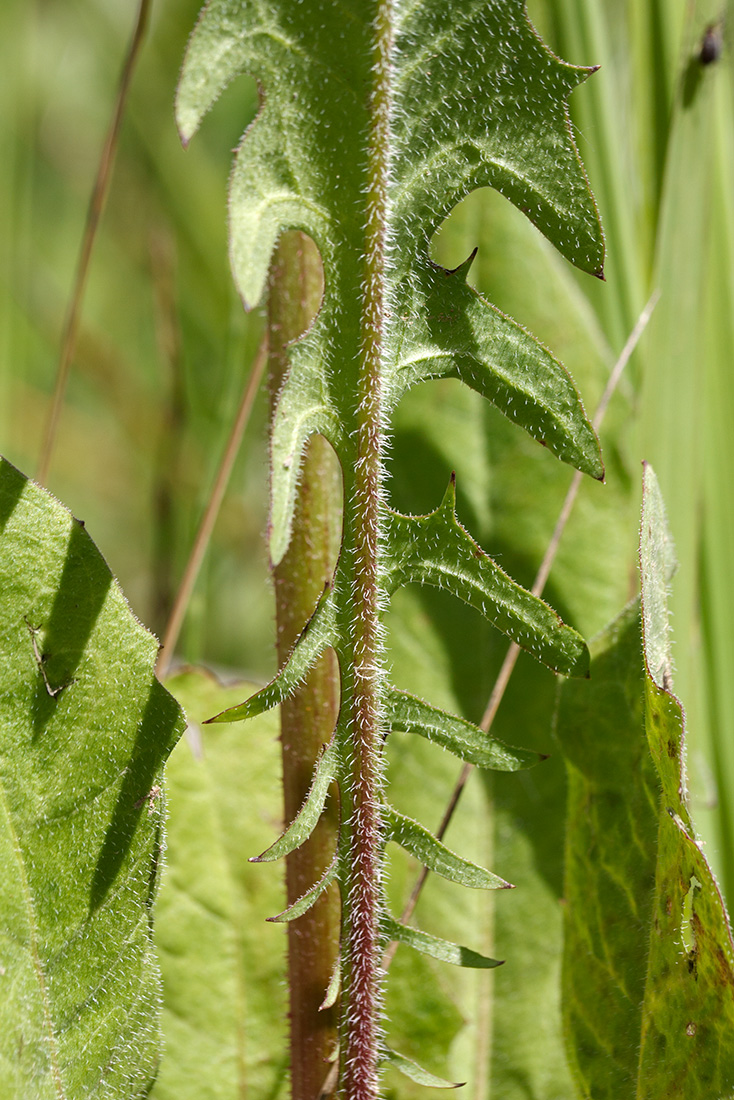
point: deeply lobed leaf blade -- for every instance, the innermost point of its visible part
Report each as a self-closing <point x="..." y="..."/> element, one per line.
<point x="435" y="549"/>
<point x="424" y="846"/>
<point x="462" y="738"/>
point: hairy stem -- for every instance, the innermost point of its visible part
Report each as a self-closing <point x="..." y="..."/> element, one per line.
<point x="513" y="652"/>
<point x="308" y="717"/>
<point x="362" y="963"/>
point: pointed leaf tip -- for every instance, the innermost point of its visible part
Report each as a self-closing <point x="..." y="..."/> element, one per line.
<point x="436" y="947"/>
<point x="416" y="1073"/>
<point x="463" y="268"/>
<point x="307" y="817"/>
<point x="410" y="714"/>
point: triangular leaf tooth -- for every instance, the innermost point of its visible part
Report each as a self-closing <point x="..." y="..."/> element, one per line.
<point x="319" y="633"/>
<point x="468" y="742"/>
<point x="436" y="947"/>
<point x="448" y="504"/>
<point x="449" y="331"/>
<point x="304" y="903"/>
<point x="436" y="550"/>
<point x="422" y="844"/>
<point x="414" y="1072"/>
<point x="307" y="817"/>
<point x="462" y="271"/>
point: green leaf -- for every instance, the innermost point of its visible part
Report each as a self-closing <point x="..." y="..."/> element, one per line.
<point x="298" y="908"/>
<point x="305" y="821"/>
<point x="436" y="550"/>
<point x="303" y="164"/>
<point x="85" y="730"/>
<point x="357" y="145"/>
<point x="648" y="959"/>
<point x="318" y="633"/>
<point x="436" y="947"/>
<point x="332" y="990"/>
<point x="465" y="740"/>
<point x="688" y="1010"/>
<point x="454" y="333"/>
<point x="611" y="831"/>
<point x="415" y="1072"/>
<point x="223" y="966"/>
<point x="436" y="856"/>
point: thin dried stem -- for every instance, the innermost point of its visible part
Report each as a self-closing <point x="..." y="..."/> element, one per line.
<point x="94" y="214"/>
<point x="513" y="651"/>
<point x="203" y="535"/>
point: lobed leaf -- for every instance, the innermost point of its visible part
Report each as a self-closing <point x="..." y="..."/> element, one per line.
<point x="465" y="740"/>
<point x="414" y="1072"/>
<point x="449" y="331"/>
<point x="436" y="550"/>
<point x="436" y="947"/>
<point x="436" y="856"/>
<point x="318" y="633"/>
<point x="493" y="112"/>
<point x="85" y="729"/>
<point x="303" y="824"/>
<point x="356" y="144"/>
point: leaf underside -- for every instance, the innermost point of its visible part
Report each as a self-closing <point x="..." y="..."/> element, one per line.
<point x="85" y="729"/>
<point x="474" y="99"/>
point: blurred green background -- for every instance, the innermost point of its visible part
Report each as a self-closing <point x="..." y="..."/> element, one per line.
<point x="165" y="346"/>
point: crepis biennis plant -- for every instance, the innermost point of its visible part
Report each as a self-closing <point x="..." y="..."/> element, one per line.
<point x="376" y="118"/>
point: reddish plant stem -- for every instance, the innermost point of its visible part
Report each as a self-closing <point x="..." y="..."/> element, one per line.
<point x="362" y="961"/>
<point x="308" y="717"/>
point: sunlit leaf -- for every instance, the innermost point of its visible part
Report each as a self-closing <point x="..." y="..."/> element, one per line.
<point x="85" y="729"/>
<point x="649" y="958"/>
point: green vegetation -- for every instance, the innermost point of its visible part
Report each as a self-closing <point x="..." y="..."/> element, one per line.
<point x="617" y="975"/>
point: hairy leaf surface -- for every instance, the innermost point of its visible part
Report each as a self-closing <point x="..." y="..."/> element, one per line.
<point x="303" y="164"/>
<point x="437" y="948"/>
<point x="375" y="121"/>
<point x="436" y="550"/>
<point x="85" y="729"/>
<point x="462" y="738"/>
<point x="433" y="854"/>
<point x="649" y="959"/>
